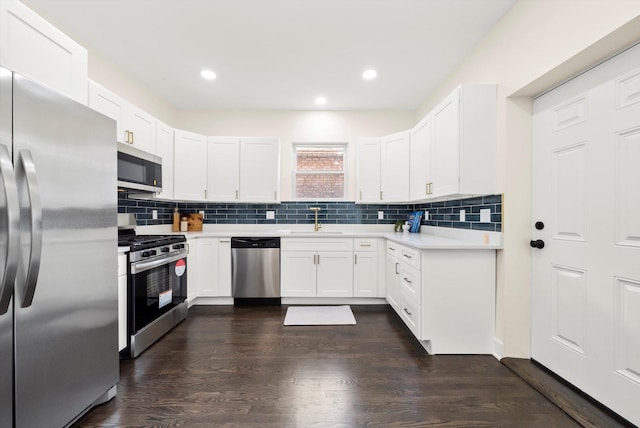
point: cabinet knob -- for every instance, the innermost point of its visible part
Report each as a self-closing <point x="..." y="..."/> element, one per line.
<point x="539" y="225"/>
<point x="539" y="243"/>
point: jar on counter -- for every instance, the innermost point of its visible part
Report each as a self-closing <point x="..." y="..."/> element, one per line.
<point x="183" y="224"/>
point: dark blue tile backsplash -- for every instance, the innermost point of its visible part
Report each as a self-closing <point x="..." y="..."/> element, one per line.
<point x="441" y="214"/>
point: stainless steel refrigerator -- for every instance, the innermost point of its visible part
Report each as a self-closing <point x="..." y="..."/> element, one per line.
<point x="58" y="261"/>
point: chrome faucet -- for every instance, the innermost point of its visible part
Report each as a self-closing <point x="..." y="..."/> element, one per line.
<point x="316" y="226"/>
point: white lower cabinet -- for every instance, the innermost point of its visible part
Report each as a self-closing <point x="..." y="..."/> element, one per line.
<point x="445" y="297"/>
<point x="122" y="301"/>
<point x="366" y="259"/>
<point x="213" y="274"/>
<point x="316" y="267"/>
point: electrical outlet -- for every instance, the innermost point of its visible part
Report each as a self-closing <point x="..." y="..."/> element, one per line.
<point x="380" y="215"/>
<point x="271" y="215"/>
<point x="426" y="215"/>
<point x="485" y="215"/>
<point x="462" y="215"/>
<point x="201" y="212"/>
<point x="154" y="214"/>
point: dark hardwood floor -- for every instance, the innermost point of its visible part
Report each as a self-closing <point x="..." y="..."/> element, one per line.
<point x="240" y="367"/>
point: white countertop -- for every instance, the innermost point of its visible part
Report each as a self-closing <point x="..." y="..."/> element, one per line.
<point x="429" y="237"/>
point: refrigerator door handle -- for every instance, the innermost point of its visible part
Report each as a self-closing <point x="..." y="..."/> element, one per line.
<point x="8" y="178"/>
<point x="33" y="190"/>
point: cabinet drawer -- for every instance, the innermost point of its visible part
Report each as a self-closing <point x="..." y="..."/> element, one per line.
<point x="410" y="280"/>
<point x="365" y="244"/>
<point x="410" y="314"/>
<point x="393" y="248"/>
<point x="410" y="256"/>
<point x="317" y="244"/>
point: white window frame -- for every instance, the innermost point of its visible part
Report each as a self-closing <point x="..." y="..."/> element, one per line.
<point x="295" y="172"/>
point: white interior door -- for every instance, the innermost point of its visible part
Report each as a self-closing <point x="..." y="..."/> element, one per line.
<point x="586" y="194"/>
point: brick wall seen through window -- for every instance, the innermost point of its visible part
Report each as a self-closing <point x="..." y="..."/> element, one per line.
<point x="319" y="171"/>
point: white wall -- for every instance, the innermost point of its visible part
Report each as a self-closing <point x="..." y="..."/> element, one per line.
<point x="536" y="45"/>
<point x="300" y="127"/>
<point x="114" y="79"/>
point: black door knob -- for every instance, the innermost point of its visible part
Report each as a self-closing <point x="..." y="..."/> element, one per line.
<point x="539" y="225"/>
<point x="539" y="243"/>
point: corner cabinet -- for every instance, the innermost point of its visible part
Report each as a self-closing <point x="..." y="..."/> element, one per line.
<point x="189" y="166"/>
<point x="382" y="173"/>
<point x="33" y="47"/>
<point x="420" y="181"/>
<point x="316" y="267"/>
<point x="243" y="169"/>
<point x="463" y="148"/>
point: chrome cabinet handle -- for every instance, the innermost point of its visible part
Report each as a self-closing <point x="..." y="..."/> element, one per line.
<point x="365" y="245"/>
<point x="355" y="259"/>
<point x="408" y="280"/>
<point x="397" y="264"/>
<point x="7" y="175"/>
<point x="407" y="256"/>
<point x="407" y="311"/>
<point x="35" y="213"/>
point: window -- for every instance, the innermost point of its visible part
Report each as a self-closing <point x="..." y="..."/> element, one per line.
<point x="319" y="171"/>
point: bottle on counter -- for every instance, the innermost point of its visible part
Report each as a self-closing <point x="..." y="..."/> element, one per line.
<point x="183" y="224"/>
<point x="176" y="220"/>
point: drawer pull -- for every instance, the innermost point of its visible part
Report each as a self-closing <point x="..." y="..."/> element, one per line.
<point x="391" y="248"/>
<point x="365" y="245"/>
<point x="407" y="311"/>
<point x="408" y="280"/>
<point x="407" y="256"/>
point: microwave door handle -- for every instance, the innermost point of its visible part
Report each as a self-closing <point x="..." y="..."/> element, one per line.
<point x="144" y="266"/>
<point x="12" y="211"/>
<point x="35" y="252"/>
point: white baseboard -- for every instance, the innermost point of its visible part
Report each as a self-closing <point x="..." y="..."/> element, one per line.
<point x="498" y="349"/>
<point x="333" y="301"/>
<point x="211" y="301"/>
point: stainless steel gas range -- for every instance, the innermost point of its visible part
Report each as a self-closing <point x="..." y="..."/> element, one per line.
<point x="156" y="287"/>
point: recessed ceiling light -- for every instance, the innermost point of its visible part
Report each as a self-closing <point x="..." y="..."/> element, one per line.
<point x="208" y="74"/>
<point x="369" y="74"/>
<point x="321" y="100"/>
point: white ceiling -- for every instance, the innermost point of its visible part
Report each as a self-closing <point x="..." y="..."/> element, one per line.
<point x="281" y="54"/>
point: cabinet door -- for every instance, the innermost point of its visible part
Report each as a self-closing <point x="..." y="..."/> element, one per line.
<point x="142" y="128"/>
<point x="420" y="160"/>
<point x="365" y="274"/>
<point x="259" y="169"/>
<point x="393" y="282"/>
<point x="164" y="149"/>
<point x="446" y="146"/>
<point x="224" y="267"/>
<point x="394" y="167"/>
<point x="223" y="169"/>
<point x="298" y="274"/>
<point x="190" y="179"/>
<point x="335" y="274"/>
<point x="106" y="102"/>
<point x="207" y="279"/>
<point x="35" y="48"/>
<point x="368" y="170"/>
<point x="192" y="270"/>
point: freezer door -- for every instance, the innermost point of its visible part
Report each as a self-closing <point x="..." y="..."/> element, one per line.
<point x="66" y="336"/>
<point x="6" y="304"/>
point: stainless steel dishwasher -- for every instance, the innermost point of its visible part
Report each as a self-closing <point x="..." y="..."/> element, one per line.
<point x="255" y="270"/>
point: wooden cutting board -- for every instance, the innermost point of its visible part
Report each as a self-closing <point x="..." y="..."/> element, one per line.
<point x="194" y="222"/>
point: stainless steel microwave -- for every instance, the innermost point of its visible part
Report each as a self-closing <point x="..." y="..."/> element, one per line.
<point x="138" y="170"/>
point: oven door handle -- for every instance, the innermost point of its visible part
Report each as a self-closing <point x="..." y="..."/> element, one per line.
<point x="145" y="266"/>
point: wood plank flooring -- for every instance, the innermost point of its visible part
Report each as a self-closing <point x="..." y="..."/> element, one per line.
<point x="240" y="367"/>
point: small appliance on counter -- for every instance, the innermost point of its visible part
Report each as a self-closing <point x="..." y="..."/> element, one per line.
<point x="156" y="284"/>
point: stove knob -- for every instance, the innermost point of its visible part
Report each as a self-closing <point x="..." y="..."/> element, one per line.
<point x="176" y="247"/>
<point x="153" y="252"/>
<point x="145" y="254"/>
<point x="165" y="249"/>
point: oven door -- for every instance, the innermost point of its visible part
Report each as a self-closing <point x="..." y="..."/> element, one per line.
<point x="156" y="287"/>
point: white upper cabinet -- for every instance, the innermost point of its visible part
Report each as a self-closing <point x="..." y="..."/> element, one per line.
<point x="394" y="167"/>
<point x="368" y="170"/>
<point x="140" y="128"/>
<point x="190" y="166"/>
<point x="223" y="169"/>
<point x="134" y="126"/>
<point x="243" y="169"/>
<point x="164" y="149"/>
<point x="259" y="169"/>
<point x="420" y="161"/>
<point x="464" y="143"/>
<point x="35" y="48"/>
